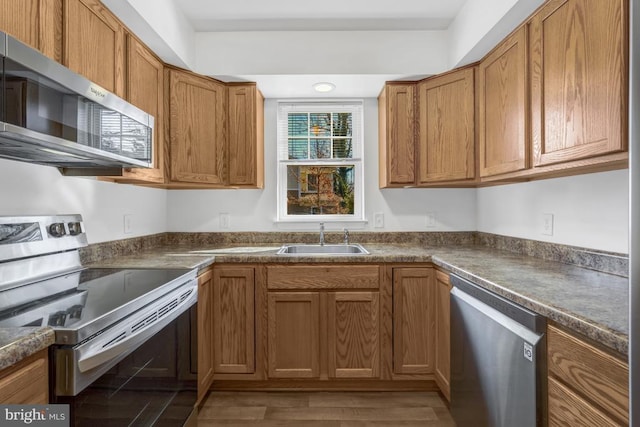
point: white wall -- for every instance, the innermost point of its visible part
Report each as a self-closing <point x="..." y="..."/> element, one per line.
<point x="590" y="210"/>
<point x="27" y="189"/>
<point x="288" y="52"/>
<point x="255" y="210"/>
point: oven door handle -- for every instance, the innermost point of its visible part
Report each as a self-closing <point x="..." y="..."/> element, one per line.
<point x="112" y="345"/>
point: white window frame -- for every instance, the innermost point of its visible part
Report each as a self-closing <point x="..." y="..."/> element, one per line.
<point x="356" y="107"/>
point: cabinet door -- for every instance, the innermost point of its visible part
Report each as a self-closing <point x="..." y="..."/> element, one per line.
<point x="443" y="334"/>
<point x="198" y="108"/>
<point x="447" y="128"/>
<point x="233" y="320"/>
<point x="396" y="110"/>
<point x="145" y="90"/>
<point x="205" y="333"/>
<point x="37" y="23"/>
<point x="94" y="44"/>
<point x="293" y="334"/>
<point x="26" y="382"/>
<point x="578" y="79"/>
<point x="502" y="94"/>
<point x="353" y="332"/>
<point x="246" y="140"/>
<point x="413" y="321"/>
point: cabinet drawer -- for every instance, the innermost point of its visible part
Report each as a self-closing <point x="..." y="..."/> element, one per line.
<point x="589" y="371"/>
<point x="323" y="277"/>
<point x="568" y="409"/>
<point x="26" y="382"/>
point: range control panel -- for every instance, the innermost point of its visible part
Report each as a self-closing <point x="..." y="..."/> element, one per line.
<point x="24" y="236"/>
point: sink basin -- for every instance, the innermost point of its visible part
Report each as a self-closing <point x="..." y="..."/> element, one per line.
<point x="354" y="249"/>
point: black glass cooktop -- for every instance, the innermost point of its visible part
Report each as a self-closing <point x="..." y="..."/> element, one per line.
<point x="82" y="303"/>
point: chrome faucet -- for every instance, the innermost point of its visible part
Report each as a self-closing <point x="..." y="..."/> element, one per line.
<point x="346" y="236"/>
<point x="322" y="234"/>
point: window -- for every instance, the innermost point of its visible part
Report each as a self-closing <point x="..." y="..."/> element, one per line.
<point x="320" y="170"/>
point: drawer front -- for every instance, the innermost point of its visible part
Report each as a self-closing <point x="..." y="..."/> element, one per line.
<point x="589" y="371"/>
<point x="568" y="409"/>
<point x="323" y="277"/>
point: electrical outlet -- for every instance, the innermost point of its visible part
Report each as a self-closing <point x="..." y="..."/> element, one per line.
<point x="547" y="224"/>
<point x="431" y="219"/>
<point x="127" y="222"/>
<point x="378" y="220"/>
<point x="224" y="220"/>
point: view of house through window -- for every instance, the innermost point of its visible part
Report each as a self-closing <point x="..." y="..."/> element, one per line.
<point x="320" y="160"/>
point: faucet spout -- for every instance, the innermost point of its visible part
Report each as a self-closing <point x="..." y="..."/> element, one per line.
<point x="322" y="234"/>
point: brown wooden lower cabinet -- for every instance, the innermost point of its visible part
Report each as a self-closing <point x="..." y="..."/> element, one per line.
<point x="413" y="320"/>
<point x="233" y="319"/>
<point x="205" y="333"/>
<point x="26" y="382"/>
<point x="443" y="333"/>
<point x="353" y="331"/>
<point x="294" y="334"/>
<point x="587" y="385"/>
<point x="323" y="321"/>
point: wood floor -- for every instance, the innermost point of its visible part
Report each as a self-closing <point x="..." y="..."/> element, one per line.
<point x="324" y="409"/>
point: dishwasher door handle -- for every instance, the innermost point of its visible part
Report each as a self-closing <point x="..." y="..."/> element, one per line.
<point x="498" y="317"/>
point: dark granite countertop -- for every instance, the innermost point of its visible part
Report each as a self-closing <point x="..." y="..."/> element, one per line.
<point x="19" y="343"/>
<point x="592" y="303"/>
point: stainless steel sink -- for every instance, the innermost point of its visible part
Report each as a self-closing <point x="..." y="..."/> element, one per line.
<point x="351" y="249"/>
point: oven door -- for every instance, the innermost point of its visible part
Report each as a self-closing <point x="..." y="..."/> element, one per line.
<point x="145" y="378"/>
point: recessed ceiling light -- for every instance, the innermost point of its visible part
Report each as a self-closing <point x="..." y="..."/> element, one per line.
<point x="324" y="87"/>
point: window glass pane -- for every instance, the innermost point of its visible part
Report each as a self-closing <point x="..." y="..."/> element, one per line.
<point x="320" y="124"/>
<point x="298" y="148"/>
<point x="342" y="149"/>
<point x="320" y="190"/>
<point x="320" y="148"/>
<point x="298" y="124"/>
<point x="342" y="124"/>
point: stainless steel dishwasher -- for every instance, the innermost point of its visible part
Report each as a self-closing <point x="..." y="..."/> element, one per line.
<point x="498" y="352"/>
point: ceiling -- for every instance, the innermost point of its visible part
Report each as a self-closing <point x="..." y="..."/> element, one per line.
<point x="337" y="15"/>
<point x="287" y="45"/>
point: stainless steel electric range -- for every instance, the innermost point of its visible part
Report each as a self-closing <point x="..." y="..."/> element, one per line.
<point x="125" y="339"/>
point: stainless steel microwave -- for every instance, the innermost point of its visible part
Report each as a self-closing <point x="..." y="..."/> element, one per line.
<point x="51" y="115"/>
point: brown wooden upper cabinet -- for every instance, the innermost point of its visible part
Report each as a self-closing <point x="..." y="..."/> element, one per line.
<point x="197" y="120"/>
<point x="396" y="135"/>
<point x="578" y="51"/>
<point x="145" y="90"/>
<point x="93" y="40"/>
<point x="37" y="23"/>
<point x="446" y="142"/>
<point x="246" y="135"/>
<point x="502" y="94"/>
